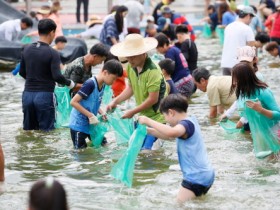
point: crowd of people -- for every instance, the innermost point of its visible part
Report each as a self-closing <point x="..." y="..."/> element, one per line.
<point x="161" y="89"/>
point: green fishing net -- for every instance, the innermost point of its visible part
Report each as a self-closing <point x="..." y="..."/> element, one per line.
<point x="123" y="128"/>
<point x="265" y="133"/>
<point x="229" y="126"/>
<point x="97" y="132"/>
<point x="63" y="108"/>
<point x="123" y="169"/>
<point x="206" y="31"/>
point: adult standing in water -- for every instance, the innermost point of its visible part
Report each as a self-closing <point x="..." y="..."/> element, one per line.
<point x="40" y="67"/>
<point x="79" y="3"/>
<point x="146" y="81"/>
<point x="2" y="164"/>
<point x="237" y="34"/>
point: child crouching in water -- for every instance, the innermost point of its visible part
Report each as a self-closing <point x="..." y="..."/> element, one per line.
<point x="198" y="174"/>
<point x="87" y="101"/>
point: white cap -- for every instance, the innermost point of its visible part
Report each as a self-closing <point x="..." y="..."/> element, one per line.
<point x="246" y="53"/>
<point x="246" y="10"/>
<point x="151" y="18"/>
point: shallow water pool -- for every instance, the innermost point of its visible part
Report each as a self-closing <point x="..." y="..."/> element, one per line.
<point x="242" y="181"/>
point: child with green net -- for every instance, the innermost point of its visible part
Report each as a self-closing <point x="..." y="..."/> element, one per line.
<point x="198" y="174"/>
<point x="260" y="108"/>
<point x="86" y="103"/>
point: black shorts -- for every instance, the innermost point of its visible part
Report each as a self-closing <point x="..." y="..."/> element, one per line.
<point x="79" y="139"/>
<point x="197" y="189"/>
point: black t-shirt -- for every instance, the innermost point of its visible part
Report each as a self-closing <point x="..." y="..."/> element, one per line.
<point x="40" y="67"/>
<point x="189" y="50"/>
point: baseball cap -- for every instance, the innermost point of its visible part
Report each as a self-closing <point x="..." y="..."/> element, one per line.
<point x="246" y="53"/>
<point x="150" y="18"/>
<point x="161" y="23"/>
<point x="243" y="9"/>
<point x="165" y="10"/>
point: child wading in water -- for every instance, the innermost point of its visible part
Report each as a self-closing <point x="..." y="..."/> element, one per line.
<point x="198" y="174"/>
<point x="87" y="101"/>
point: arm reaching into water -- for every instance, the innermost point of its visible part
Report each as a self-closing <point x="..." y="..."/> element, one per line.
<point x="162" y="130"/>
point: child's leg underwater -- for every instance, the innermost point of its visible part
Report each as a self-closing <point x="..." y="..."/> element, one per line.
<point x="184" y="195"/>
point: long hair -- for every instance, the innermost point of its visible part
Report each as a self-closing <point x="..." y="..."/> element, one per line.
<point x="244" y="81"/>
<point x="224" y="7"/>
<point x="119" y="17"/>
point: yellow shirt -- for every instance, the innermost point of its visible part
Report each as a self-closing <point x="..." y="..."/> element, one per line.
<point x="218" y="89"/>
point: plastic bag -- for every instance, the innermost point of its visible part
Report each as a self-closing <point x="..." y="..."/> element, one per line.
<point x="107" y="95"/>
<point x="123" y="128"/>
<point x="26" y="40"/>
<point x="63" y="108"/>
<point x="206" y="31"/>
<point x="229" y="126"/>
<point x="97" y="132"/>
<point x="264" y="133"/>
<point x="220" y="32"/>
<point x="123" y="169"/>
<point x="246" y="3"/>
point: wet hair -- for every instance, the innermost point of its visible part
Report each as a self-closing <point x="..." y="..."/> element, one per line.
<point x="99" y="49"/>
<point x="181" y="29"/>
<point x="28" y="21"/>
<point x="200" y="73"/>
<point x="168" y="65"/>
<point x="245" y="83"/>
<point x="271" y="46"/>
<point x="113" y="67"/>
<point x="119" y="17"/>
<point x="262" y="37"/>
<point x="45" y="26"/>
<point x="177" y="102"/>
<point x="162" y="39"/>
<point x="47" y="194"/>
<point x="60" y="39"/>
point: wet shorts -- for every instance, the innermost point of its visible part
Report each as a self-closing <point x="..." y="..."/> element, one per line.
<point x="79" y="139"/>
<point x="197" y="189"/>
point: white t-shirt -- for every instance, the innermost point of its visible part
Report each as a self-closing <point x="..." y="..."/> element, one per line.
<point x="10" y="30"/>
<point x="135" y="11"/>
<point x="237" y="34"/>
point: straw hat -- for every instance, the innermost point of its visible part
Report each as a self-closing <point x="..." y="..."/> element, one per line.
<point x="246" y="53"/>
<point x="134" y="44"/>
<point x="44" y="10"/>
<point x="93" y="20"/>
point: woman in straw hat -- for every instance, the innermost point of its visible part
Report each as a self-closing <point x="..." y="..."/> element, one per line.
<point x="146" y="81"/>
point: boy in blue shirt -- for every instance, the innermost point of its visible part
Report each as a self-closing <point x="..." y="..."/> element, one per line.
<point x="86" y="103"/>
<point x="198" y="174"/>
